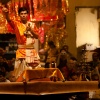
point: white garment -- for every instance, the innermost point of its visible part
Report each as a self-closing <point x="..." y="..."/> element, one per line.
<point x="19" y="68"/>
<point x="7" y="80"/>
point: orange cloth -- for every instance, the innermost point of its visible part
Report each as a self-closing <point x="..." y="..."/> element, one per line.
<point x="31" y="55"/>
<point x="40" y="73"/>
<point x="20" y="53"/>
<point x="19" y="29"/>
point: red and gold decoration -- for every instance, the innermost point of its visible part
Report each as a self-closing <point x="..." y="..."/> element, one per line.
<point x="50" y="12"/>
<point x="40" y="10"/>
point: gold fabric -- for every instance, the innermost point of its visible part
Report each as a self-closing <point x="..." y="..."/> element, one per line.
<point x="40" y="73"/>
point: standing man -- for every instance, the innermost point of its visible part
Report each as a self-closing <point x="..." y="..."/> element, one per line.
<point x="26" y="32"/>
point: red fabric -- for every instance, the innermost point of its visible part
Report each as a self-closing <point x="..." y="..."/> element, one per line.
<point x="65" y="72"/>
<point x="20" y="38"/>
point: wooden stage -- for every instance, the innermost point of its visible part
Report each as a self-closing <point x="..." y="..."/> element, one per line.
<point x="47" y="90"/>
<point x="42" y="87"/>
<point x="47" y="87"/>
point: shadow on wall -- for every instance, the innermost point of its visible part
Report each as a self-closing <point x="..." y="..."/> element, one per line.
<point x="81" y="50"/>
